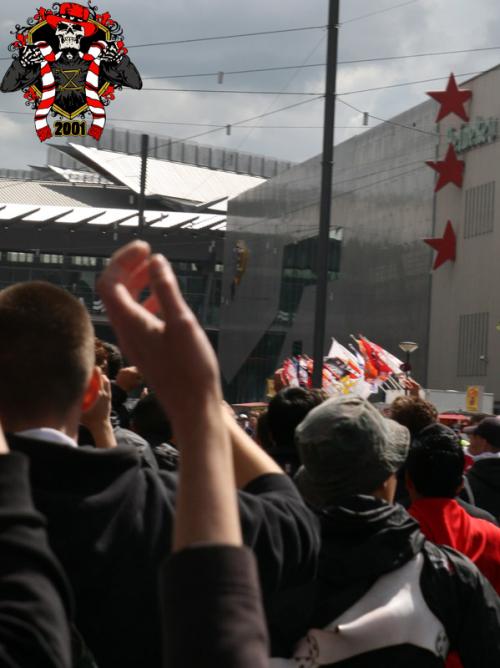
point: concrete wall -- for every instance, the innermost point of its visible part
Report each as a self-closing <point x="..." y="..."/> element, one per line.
<point x="471" y="284"/>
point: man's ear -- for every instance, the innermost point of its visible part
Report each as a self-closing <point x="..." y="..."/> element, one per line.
<point x="93" y="387"/>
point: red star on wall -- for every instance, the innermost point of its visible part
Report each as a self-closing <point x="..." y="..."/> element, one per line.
<point x="452" y="100"/>
<point x="446" y="246"/>
<point x="450" y="170"/>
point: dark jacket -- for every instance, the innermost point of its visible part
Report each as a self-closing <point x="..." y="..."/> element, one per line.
<point x="34" y="595"/>
<point x="475" y="511"/>
<point x="213" y="610"/>
<point x="483" y="478"/>
<point x="110" y="523"/>
<point x="365" y="539"/>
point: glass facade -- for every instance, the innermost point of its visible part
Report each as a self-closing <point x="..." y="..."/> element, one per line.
<point x="200" y="281"/>
<point x="379" y="268"/>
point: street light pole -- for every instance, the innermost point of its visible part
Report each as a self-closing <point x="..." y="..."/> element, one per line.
<point x="143" y="179"/>
<point x="408" y="347"/>
<point x="326" y="194"/>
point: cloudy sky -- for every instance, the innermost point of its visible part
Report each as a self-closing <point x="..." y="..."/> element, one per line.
<point x="406" y="28"/>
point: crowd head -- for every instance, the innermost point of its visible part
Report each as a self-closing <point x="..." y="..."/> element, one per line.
<point x="286" y="411"/>
<point x="347" y="447"/>
<point x="54" y="355"/>
<point x="414" y="413"/>
<point x="435" y="464"/>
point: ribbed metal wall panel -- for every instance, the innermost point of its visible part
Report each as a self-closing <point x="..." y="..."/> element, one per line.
<point x="473" y="344"/>
<point x="479" y="210"/>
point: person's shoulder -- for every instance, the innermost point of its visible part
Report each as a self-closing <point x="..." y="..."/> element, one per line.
<point x="485" y="464"/>
<point x="450" y="563"/>
<point x="477" y="513"/>
<point x="272" y="482"/>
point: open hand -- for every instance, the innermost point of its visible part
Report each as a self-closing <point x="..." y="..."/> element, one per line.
<point x="170" y="349"/>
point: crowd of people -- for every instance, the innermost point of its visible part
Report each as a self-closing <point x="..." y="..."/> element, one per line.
<point x="157" y="532"/>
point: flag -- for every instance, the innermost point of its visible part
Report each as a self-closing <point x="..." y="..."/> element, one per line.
<point x="390" y="360"/>
<point x="338" y="353"/>
<point x="372" y="371"/>
<point x="373" y="353"/>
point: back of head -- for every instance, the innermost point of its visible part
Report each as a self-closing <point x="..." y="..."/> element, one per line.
<point x="286" y="410"/>
<point x="413" y="413"/>
<point x="262" y="432"/>
<point x="46" y="351"/>
<point x="436" y="462"/>
<point x="476" y="418"/>
<point x="347" y="448"/>
<point x="149" y="420"/>
<point x="114" y="358"/>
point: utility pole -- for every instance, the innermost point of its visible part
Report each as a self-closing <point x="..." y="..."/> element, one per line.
<point x="326" y="194"/>
<point x="144" y="173"/>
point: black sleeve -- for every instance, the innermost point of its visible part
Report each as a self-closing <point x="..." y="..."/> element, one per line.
<point x="276" y="524"/>
<point x="213" y="611"/>
<point x="18" y="76"/>
<point x="34" y="599"/>
<point x="474" y="511"/>
<point x="478" y="641"/>
<point x="465" y="602"/>
<point x="123" y="73"/>
<point x="281" y="530"/>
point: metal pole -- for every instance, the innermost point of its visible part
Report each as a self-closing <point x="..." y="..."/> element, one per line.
<point x="326" y="194"/>
<point x="407" y="362"/>
<point x="144" y="171"/>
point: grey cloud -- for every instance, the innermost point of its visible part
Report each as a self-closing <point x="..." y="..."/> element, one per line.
<point x="428" y="25"/>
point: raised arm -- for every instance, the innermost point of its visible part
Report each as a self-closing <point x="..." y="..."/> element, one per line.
<point x="211" y="588"/>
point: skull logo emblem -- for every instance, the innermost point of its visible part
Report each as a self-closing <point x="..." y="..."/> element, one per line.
<point x="69" y="35"/>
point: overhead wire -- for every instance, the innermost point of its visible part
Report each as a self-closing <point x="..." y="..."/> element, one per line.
<point x="314" y="93"/>
<point x="224" y="124"/>
<point x="146" y="121"/>
<point x="223" y="37"/>
<point x="225" y="91"/>
<point x="390" y="122"/>
<point x="269" y="108"/>
<point x="241" y="122"/>
<point x="378" y="11"/>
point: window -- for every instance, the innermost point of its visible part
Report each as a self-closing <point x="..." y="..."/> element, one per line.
<point x="15" y="256"/>
<point x="83" y="261"/>
<point x="50" y="258"/>
<point x="473" y="344"/>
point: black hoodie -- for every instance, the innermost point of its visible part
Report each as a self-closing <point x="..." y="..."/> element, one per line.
<point x="363" y="539"/>
<point x="110" y="523"/>
<point x="484" y="482"/>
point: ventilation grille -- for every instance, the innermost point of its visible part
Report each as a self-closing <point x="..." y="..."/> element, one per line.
<point x="479" y="210"/>
<point x="473" y="344"/>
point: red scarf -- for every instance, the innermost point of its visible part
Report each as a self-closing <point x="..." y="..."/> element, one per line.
<point x="96" y="107"/>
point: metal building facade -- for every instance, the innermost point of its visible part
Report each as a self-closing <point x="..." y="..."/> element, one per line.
<point x="380" y="281"/>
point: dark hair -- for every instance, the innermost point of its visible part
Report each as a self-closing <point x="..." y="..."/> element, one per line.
<point x="286" y="411"/>
<point x="436" y="462"/>
<point x="115" y="359"/>
<point x="413" y="413"/>
<point x="476" y="418"/>
<point x="262" y="435"/>
<point x="148" y="419"/>
<point x="101" y="355"/>
<point x="46" y="350"/>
